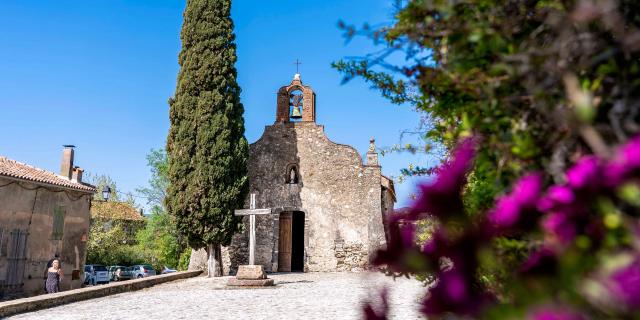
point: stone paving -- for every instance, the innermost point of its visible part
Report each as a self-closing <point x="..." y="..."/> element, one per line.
<point x="295" y="296"/>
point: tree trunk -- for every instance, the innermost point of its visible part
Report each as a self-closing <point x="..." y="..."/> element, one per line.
<point x="214" y="265"/>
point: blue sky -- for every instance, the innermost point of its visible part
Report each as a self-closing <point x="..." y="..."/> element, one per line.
<point x="97" y="74"/>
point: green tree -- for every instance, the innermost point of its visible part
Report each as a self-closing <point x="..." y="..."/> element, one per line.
<point x="107" y="244"/>
<point x="160" y="242"/>
<point x="159" y="182"/>
<point x="206" y="146"/>
<point x="540" y="82"/>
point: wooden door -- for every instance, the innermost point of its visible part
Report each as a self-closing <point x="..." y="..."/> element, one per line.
<point x="17" y="258"/>
<point x="284" y="245"/>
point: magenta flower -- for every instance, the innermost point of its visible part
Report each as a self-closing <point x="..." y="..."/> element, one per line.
<point x="441" y="198"/>
<point x="556" y="197"/>
<point x="560" y="225"/>
<point x="437" y="245"/>
<point x="585" y="173"/>
<point x="624" y="285"/>
<point x="518" y="206"/>
<point x="527" y="190"/>
<point x="630" y="153"/>
<point x="555" y="313"/>
<point x="506" y="213"/>
<point x="454" y="293"/>
<point x="401" y="244"/>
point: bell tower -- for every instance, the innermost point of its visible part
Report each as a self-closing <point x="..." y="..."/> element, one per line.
<point x="296" y="102"/>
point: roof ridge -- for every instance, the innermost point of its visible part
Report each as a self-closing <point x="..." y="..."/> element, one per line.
<point x="30" y="166"/>
<point x="17" y="169"/>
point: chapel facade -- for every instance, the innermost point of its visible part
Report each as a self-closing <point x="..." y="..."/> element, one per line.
<point x="327" y="205"/>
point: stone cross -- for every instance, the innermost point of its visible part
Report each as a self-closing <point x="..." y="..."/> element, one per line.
<point x="252" y="212"/>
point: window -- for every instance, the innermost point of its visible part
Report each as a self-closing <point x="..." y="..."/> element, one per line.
<point x="58" y="223"/>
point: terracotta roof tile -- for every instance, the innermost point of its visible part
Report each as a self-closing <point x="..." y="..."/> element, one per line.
<point x="112" y="210"/>
<point x="14" y="169"/>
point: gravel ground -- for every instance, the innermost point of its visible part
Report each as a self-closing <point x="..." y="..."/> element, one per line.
<point x="295" y="296"/>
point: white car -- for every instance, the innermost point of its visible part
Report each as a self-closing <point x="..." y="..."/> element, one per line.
<point x="95" y="274"/>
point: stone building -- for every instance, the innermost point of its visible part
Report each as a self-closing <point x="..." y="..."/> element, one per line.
<point x="328" y="206"/>
<point x="41" y="214"/>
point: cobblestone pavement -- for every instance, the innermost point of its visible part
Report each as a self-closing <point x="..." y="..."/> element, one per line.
<point x="295" y="296"/>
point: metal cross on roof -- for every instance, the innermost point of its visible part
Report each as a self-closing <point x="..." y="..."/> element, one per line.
<point x="297" y="63"/>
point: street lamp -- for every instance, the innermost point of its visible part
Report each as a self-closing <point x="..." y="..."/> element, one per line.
<point x="106" y="193"/>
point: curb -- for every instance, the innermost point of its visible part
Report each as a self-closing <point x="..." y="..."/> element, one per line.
<point x="45" y="301"/>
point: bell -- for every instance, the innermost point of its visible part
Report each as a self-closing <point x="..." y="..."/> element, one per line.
<point x="296" y="114"/>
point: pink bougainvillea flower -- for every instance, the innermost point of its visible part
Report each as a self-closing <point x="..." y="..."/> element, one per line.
<point x="441" y="197"/>
<point x="615" y="173"/>
<point x="625" y="165"/>
<point x="455" y="293"/>
<point x="585" y="173"/>
<point x="630" y="153"/>
<point x="561" y="226"/>
<point x="555" y="313"/>
<point x="541" y="261"/>
<point x="527" y="190"/>
<point x="624" y="285"/>
<point x="401" y="242"/>
<point x="437" y="245"/>
<point x="506" y="213"/>
<point x="557" y="196"/>
<point x="519" y="205"/>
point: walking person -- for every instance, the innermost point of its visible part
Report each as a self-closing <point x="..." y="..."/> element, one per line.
<point x="55" y="257"/>
<point x="54" y="276"/>
<point x="46" y="270"/>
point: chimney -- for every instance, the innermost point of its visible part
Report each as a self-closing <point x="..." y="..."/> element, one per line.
<point x="66" y="167"/>
<point x="77" y="174"/>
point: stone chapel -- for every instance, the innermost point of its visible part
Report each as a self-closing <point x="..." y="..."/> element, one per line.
<point x="327" y="204"/>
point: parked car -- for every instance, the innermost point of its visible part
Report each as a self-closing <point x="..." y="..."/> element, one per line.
<point x="96" y="274"/>
<point x="119" y="273"/>
<point x="142" y="271"/>
<point x="166" y="270"/>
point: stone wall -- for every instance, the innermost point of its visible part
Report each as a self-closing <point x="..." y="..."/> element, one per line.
<point x="29" y="208"/>
<point x="339" y="195"/>
<point x="18" y="306"/>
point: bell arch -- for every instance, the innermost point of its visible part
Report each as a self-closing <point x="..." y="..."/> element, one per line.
<point x="292" y="95"/>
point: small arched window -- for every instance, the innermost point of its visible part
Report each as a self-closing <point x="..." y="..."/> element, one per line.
<point x="292" y="174"/>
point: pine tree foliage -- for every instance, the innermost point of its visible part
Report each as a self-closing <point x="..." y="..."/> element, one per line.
<point x="206" y="146"/>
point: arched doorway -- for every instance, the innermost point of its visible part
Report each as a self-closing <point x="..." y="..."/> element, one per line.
<point x="291" y="242"/>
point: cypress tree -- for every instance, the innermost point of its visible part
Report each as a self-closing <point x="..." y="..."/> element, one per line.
<point x="206" y="146"/>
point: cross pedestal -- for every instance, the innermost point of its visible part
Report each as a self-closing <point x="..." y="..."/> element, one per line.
<point x="251" y="275"/>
